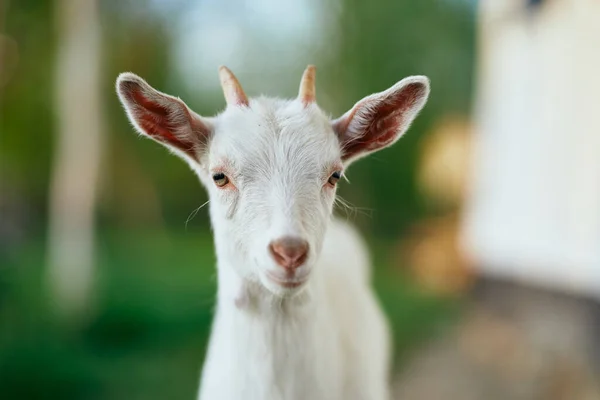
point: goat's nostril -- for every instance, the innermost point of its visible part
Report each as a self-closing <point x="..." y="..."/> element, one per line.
<point x="289" y="252"/>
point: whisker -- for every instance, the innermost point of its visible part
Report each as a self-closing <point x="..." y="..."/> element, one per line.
<point x="350" y="209"/>
<point x="193" y="213"/>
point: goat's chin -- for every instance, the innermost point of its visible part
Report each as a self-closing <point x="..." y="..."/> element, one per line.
<point x="282" y="289"/>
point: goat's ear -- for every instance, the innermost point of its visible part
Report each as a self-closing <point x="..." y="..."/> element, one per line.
<point x="163" y="118"/>
<point x="380" y="119"/>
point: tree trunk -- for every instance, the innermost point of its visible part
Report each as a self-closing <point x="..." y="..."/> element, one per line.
<point x="77" y="156"/>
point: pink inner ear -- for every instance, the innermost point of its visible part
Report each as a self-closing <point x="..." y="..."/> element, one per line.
<point x="385" y="120"/>
<point x="158" y="122"/>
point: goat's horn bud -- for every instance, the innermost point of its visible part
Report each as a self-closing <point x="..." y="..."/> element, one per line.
<point x="234" y="94"/>
<point x="307" y="85"/>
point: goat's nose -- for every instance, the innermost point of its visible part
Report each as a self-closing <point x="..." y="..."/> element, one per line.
<point x="289" y="252"/>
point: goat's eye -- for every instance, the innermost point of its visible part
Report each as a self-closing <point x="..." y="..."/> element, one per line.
<point x="220" y="179"/>
<point x="334" y="178"/>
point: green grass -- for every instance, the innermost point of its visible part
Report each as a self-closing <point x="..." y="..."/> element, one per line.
<point x="146" y="336"/>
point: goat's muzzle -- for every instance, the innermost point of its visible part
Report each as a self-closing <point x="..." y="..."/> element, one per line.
<point x="289" y="253"/>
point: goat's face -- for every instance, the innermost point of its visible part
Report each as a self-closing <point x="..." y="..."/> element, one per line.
<point x="271" y="171"/>
<point x="271" y="166"/>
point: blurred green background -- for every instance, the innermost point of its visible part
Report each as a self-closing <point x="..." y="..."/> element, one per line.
<point x="144" y="332"/>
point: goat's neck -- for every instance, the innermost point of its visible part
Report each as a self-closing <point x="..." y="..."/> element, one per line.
<point x="263" y="346"/>
<point x="255" y="341"/>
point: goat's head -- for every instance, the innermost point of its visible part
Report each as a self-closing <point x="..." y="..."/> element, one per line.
<point x="271" y="166"/>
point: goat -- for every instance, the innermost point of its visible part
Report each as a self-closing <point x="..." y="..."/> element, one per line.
<point x="295" y="318"/>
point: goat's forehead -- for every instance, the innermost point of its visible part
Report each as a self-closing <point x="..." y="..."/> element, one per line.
<point x="276" y="132"/>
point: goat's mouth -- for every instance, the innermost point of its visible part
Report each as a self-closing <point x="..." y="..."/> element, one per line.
<point x="287" y="282"/>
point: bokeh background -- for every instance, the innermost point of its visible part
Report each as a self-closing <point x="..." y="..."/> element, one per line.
<point x="483" y="222"/>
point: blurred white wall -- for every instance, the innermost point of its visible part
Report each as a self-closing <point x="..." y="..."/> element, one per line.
<point x="534" y="213"/>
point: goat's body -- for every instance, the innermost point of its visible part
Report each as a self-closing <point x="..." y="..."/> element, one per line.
<point x="296" y="318"/>
<point x="330" y="342"/>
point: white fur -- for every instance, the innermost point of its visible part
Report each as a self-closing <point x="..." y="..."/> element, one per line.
<point x="326" y="339"/>
<point x="329" y="342"/>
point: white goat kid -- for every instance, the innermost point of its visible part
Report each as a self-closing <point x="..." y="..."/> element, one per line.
<point x="296" y="317"/>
